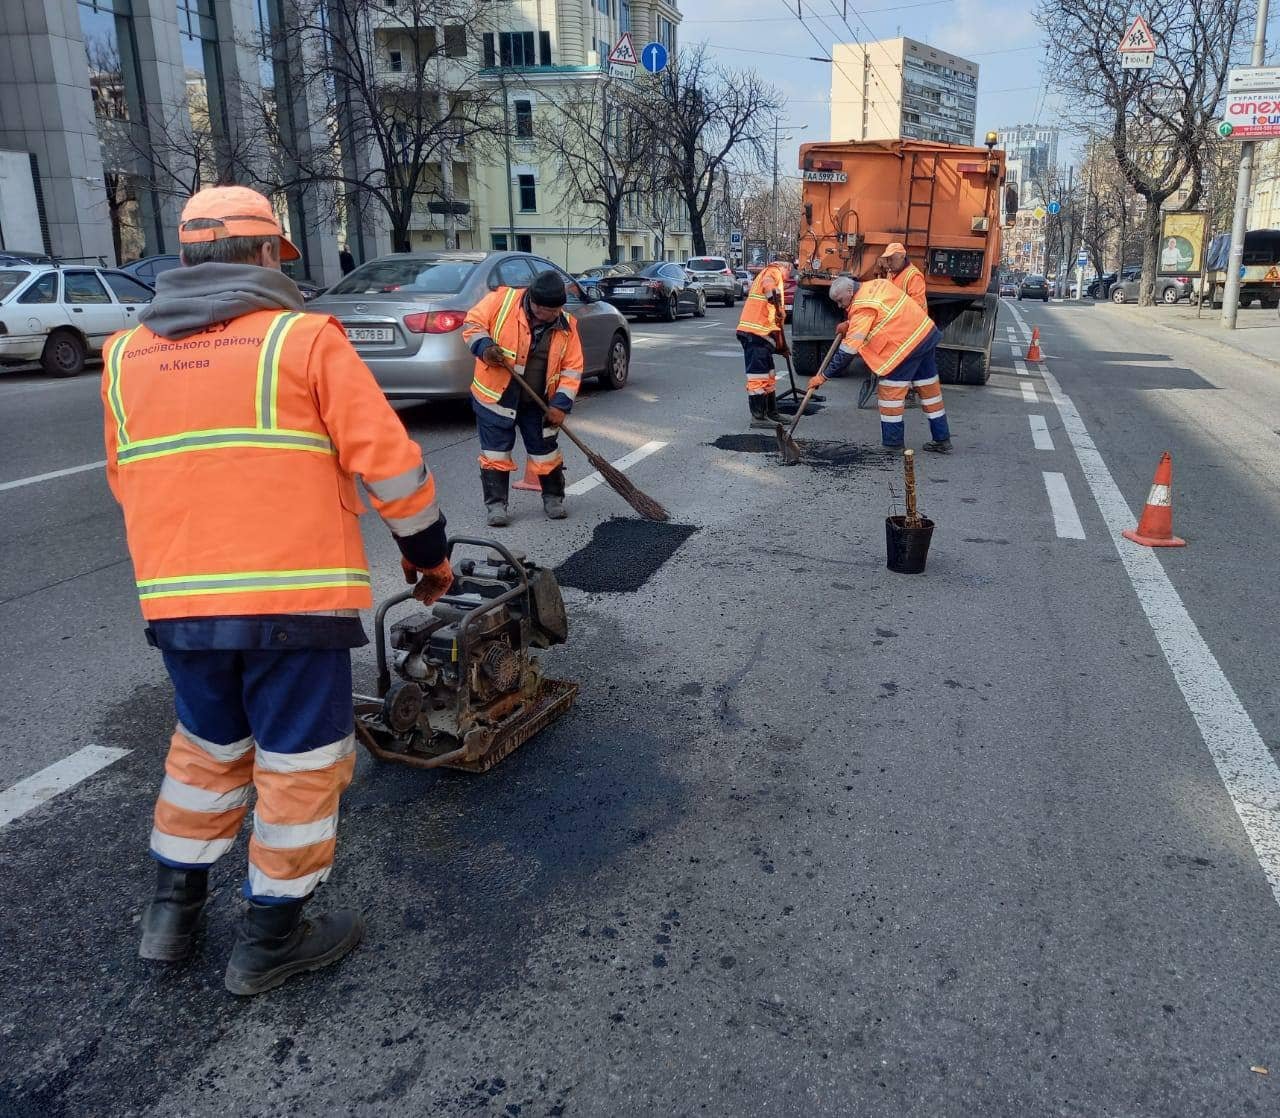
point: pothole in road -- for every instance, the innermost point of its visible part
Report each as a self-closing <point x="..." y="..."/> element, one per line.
<point x="622" y="555"/>
<point x="824" y="455"/>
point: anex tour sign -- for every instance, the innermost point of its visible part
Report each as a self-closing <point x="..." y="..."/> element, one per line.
<point x="1253" y="104"/>
<point x="1182" y="243"/>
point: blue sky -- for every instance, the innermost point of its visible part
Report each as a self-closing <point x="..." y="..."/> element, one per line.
<point x="1001" y="37"/>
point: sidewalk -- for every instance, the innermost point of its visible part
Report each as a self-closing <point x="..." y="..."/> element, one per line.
<point x="1257" y="331"/>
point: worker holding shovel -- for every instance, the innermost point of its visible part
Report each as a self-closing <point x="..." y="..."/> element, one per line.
<point x="899" y="343"/>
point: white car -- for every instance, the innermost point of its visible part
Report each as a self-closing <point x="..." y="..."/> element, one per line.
<point x="60" y="314"/>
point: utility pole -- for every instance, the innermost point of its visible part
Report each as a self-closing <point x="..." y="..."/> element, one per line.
<point x="773" y="232"/>
<point x="1244" y="185"/>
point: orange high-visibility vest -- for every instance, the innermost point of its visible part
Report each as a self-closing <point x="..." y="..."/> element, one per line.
<point x="911" y="280"/>
<point x="885" y="325"/>
<point x="760" y="315"/>
<point x="500" y="317"/>
<point x="232" y="453"/>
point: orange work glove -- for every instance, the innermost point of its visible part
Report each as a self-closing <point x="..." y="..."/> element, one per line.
<point x="842" y="329"/>
<point x="434" y="582"/>
<point x="555" y="416"/>
<point x="493" y="355"/>
<point x="816" y="381"/>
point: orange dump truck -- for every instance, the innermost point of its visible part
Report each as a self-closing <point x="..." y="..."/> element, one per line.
<point x="943" y="201"/>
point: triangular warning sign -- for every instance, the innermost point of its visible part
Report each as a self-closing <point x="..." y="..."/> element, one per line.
<point x="1138" y="39"/>
<point x="1273" y="276"/>
<point x="624" y="51"/>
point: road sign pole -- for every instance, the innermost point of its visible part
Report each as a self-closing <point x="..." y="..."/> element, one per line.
<point x="1244" y="185"/>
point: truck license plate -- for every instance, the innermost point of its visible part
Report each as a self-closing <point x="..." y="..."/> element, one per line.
<point x="369" y="333"/>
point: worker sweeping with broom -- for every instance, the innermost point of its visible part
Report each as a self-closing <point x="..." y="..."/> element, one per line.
<point x="761" y="332"/>
<point x="899" y="343"/>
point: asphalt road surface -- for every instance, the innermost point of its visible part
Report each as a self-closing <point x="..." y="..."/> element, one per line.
<point x="818" y="838"/>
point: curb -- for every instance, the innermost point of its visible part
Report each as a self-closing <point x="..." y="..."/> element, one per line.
<point x="1135" y="314"/>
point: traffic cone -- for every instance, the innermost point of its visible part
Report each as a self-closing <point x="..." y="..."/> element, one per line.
<point x="530" y="480"/>
<point x="1155" y="526"/>
<point x="1033" y="350"/>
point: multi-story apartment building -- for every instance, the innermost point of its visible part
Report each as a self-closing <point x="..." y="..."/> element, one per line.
<point x="1032" y="159"/>
<point x="902" y="88"/>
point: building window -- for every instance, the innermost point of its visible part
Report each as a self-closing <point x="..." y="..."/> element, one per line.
<point x="395" y="60"/>
<point x="455" y="42"/>
<point x="544" y="47"/>
<point x="624" y="15"/>
<point x="528" y="194"/>
<point x="667" y="33"/>
<point x="498" y="241"/>
<point x="206" y="98"/>
<point x="524" y="242"/>
<point x="516" y="48"/>
<point x="603" y="6"/>
<point x="524" y="120"/>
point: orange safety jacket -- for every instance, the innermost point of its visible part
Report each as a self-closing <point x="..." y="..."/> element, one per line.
<point x="233" y="452"/>
<point x="500" y="317"/>
<point x="911" y="280"/>
<point x="760" y="314"/>
<point x="885" y="325"/>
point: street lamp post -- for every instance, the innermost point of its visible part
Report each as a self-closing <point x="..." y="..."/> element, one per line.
<point x="799" y="128"/>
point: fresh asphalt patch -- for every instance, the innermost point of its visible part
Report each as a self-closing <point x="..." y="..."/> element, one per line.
<point x="822" y="455"/>
<point x="622" y="556"/>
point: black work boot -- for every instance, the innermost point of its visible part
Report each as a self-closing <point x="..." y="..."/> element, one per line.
<point x="169" y="921"/>
<point x="495" y="484"/>
<point x="942" y="446"/>
<point x="758" y="416"/>
<point x="771" y="409"/>
<point x="553" y="494"/>
<point x="274" y="942"/>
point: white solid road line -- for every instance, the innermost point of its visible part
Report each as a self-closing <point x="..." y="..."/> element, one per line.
<point x="1040" y="433"/>
<point x="627" y="460"/>
<point x="1244" y="763"/>
<point x="1018" y="366"/>
<point x="58" y="777"/>
<point x="51" y="475"/>
<point x="1028" y="392"/>
<point x="1066" y="520"/>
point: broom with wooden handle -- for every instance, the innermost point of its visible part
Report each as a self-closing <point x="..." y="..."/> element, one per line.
<point x="787" y="445"/>
<point x="645" y="505"/>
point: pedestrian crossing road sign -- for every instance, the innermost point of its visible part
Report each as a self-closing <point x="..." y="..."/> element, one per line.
<point x="1138" y="39"/>
<point x="624" y="51"/>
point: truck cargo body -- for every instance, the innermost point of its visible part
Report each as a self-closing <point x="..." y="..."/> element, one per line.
<point x="1261" y="263"/>
<point x="942" y="201"/>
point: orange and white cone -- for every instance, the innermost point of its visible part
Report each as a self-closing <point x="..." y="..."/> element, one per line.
<point x="530" y="480"/>
<point x="1033" y="350"/>
<point x="1155" y="526"/>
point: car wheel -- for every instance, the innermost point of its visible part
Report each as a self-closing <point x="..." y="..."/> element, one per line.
<point x="672" y="308"/>
<point x="619" y="364"/>
<point x="1117" y="296"/>
<point x="700" y="308"/>
<point x="1171" y="295"/>
<point x="63" y="354"/>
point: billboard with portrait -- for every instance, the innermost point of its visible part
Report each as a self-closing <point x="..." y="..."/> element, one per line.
<point x="1182" y="238"/>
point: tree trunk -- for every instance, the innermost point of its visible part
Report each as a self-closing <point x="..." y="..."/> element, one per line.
<point x="696" y="230"/>
<point x="1150" y="253"/>
<point x="615" y="252"/>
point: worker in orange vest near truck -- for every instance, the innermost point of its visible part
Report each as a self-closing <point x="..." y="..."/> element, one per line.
<point x="235" y="426"/>
<point x="525" y="329"/>
<point x="899" y="343"/>
<point x="762" y="333"/>
<point x="904" y="275"/>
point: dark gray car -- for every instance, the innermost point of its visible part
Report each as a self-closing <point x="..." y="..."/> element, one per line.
<point x="404" y="315"/>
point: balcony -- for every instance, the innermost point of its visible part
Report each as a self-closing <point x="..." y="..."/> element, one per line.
<point x="431" y="215"/>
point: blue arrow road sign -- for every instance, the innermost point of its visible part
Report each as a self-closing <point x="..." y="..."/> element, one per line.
<point x="654" y="57"/>
<point x="1054" y="207"/>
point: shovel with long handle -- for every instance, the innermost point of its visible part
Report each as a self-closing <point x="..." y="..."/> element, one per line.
<point x="787" y="446"/>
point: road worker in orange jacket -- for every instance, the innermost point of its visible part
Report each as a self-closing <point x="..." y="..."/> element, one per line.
<point x="898" y="342"/>
<point x="904" y="275"/>
<point x="526" y="329"/>
<point x="762" y="333"/>
<point x="235" y="427"/>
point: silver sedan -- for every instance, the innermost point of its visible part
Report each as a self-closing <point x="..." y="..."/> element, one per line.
<point x="404" y="315"/>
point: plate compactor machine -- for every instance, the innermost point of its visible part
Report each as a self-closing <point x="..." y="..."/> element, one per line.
<point x="467" y="690"/>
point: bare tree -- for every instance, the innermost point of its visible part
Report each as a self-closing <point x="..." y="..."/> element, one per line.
<point x="702" y="117"/>
<point x="1159" y="120"/>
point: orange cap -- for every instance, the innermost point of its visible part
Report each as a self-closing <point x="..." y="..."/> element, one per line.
<point x="893" y="250"/>
<point x="231" y="211"/>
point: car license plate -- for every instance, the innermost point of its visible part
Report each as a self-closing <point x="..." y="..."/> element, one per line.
<point x="370" y="333"/>
<point x="627" y="291"/>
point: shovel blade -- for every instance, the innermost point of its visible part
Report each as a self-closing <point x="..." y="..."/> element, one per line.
<point x="787" y="446"/>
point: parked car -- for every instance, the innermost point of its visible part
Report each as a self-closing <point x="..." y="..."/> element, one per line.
<point x="60" y="314"/>
<point x="592" y="276"/>
<point x="716" y="277"/>
<point x="1100" y="286"/>
<point x="1008" y="289"/>
<point x="658" y="289"/>
<point x="149" y="267"/>
<point x="1033" y="287"/>
<point x="404" y="313"/>
<point x="1169" y="289"/>
<point x="744" y="281"/>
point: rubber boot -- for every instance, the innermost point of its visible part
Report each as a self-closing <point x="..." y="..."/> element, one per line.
<point x="942" y="447"/>
<point x="771" y="409"/>
<point x="169" y="921"/>
<point x="759" y="418"/>
<point x="274" y="942"/>
<point x="495" y="483"/>
<point x="553" y="494"/>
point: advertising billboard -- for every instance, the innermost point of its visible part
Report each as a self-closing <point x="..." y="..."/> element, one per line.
<point x="1182" y="238"/>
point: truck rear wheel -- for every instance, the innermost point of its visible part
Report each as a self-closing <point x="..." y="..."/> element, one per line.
<point x="806" y="357"/>
<point x="974" y="368"/>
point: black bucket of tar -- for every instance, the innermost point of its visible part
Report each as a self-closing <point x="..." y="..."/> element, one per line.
<point x="907" y="548"/>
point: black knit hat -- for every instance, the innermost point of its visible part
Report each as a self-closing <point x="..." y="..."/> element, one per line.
<point x="547" y="290"/>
